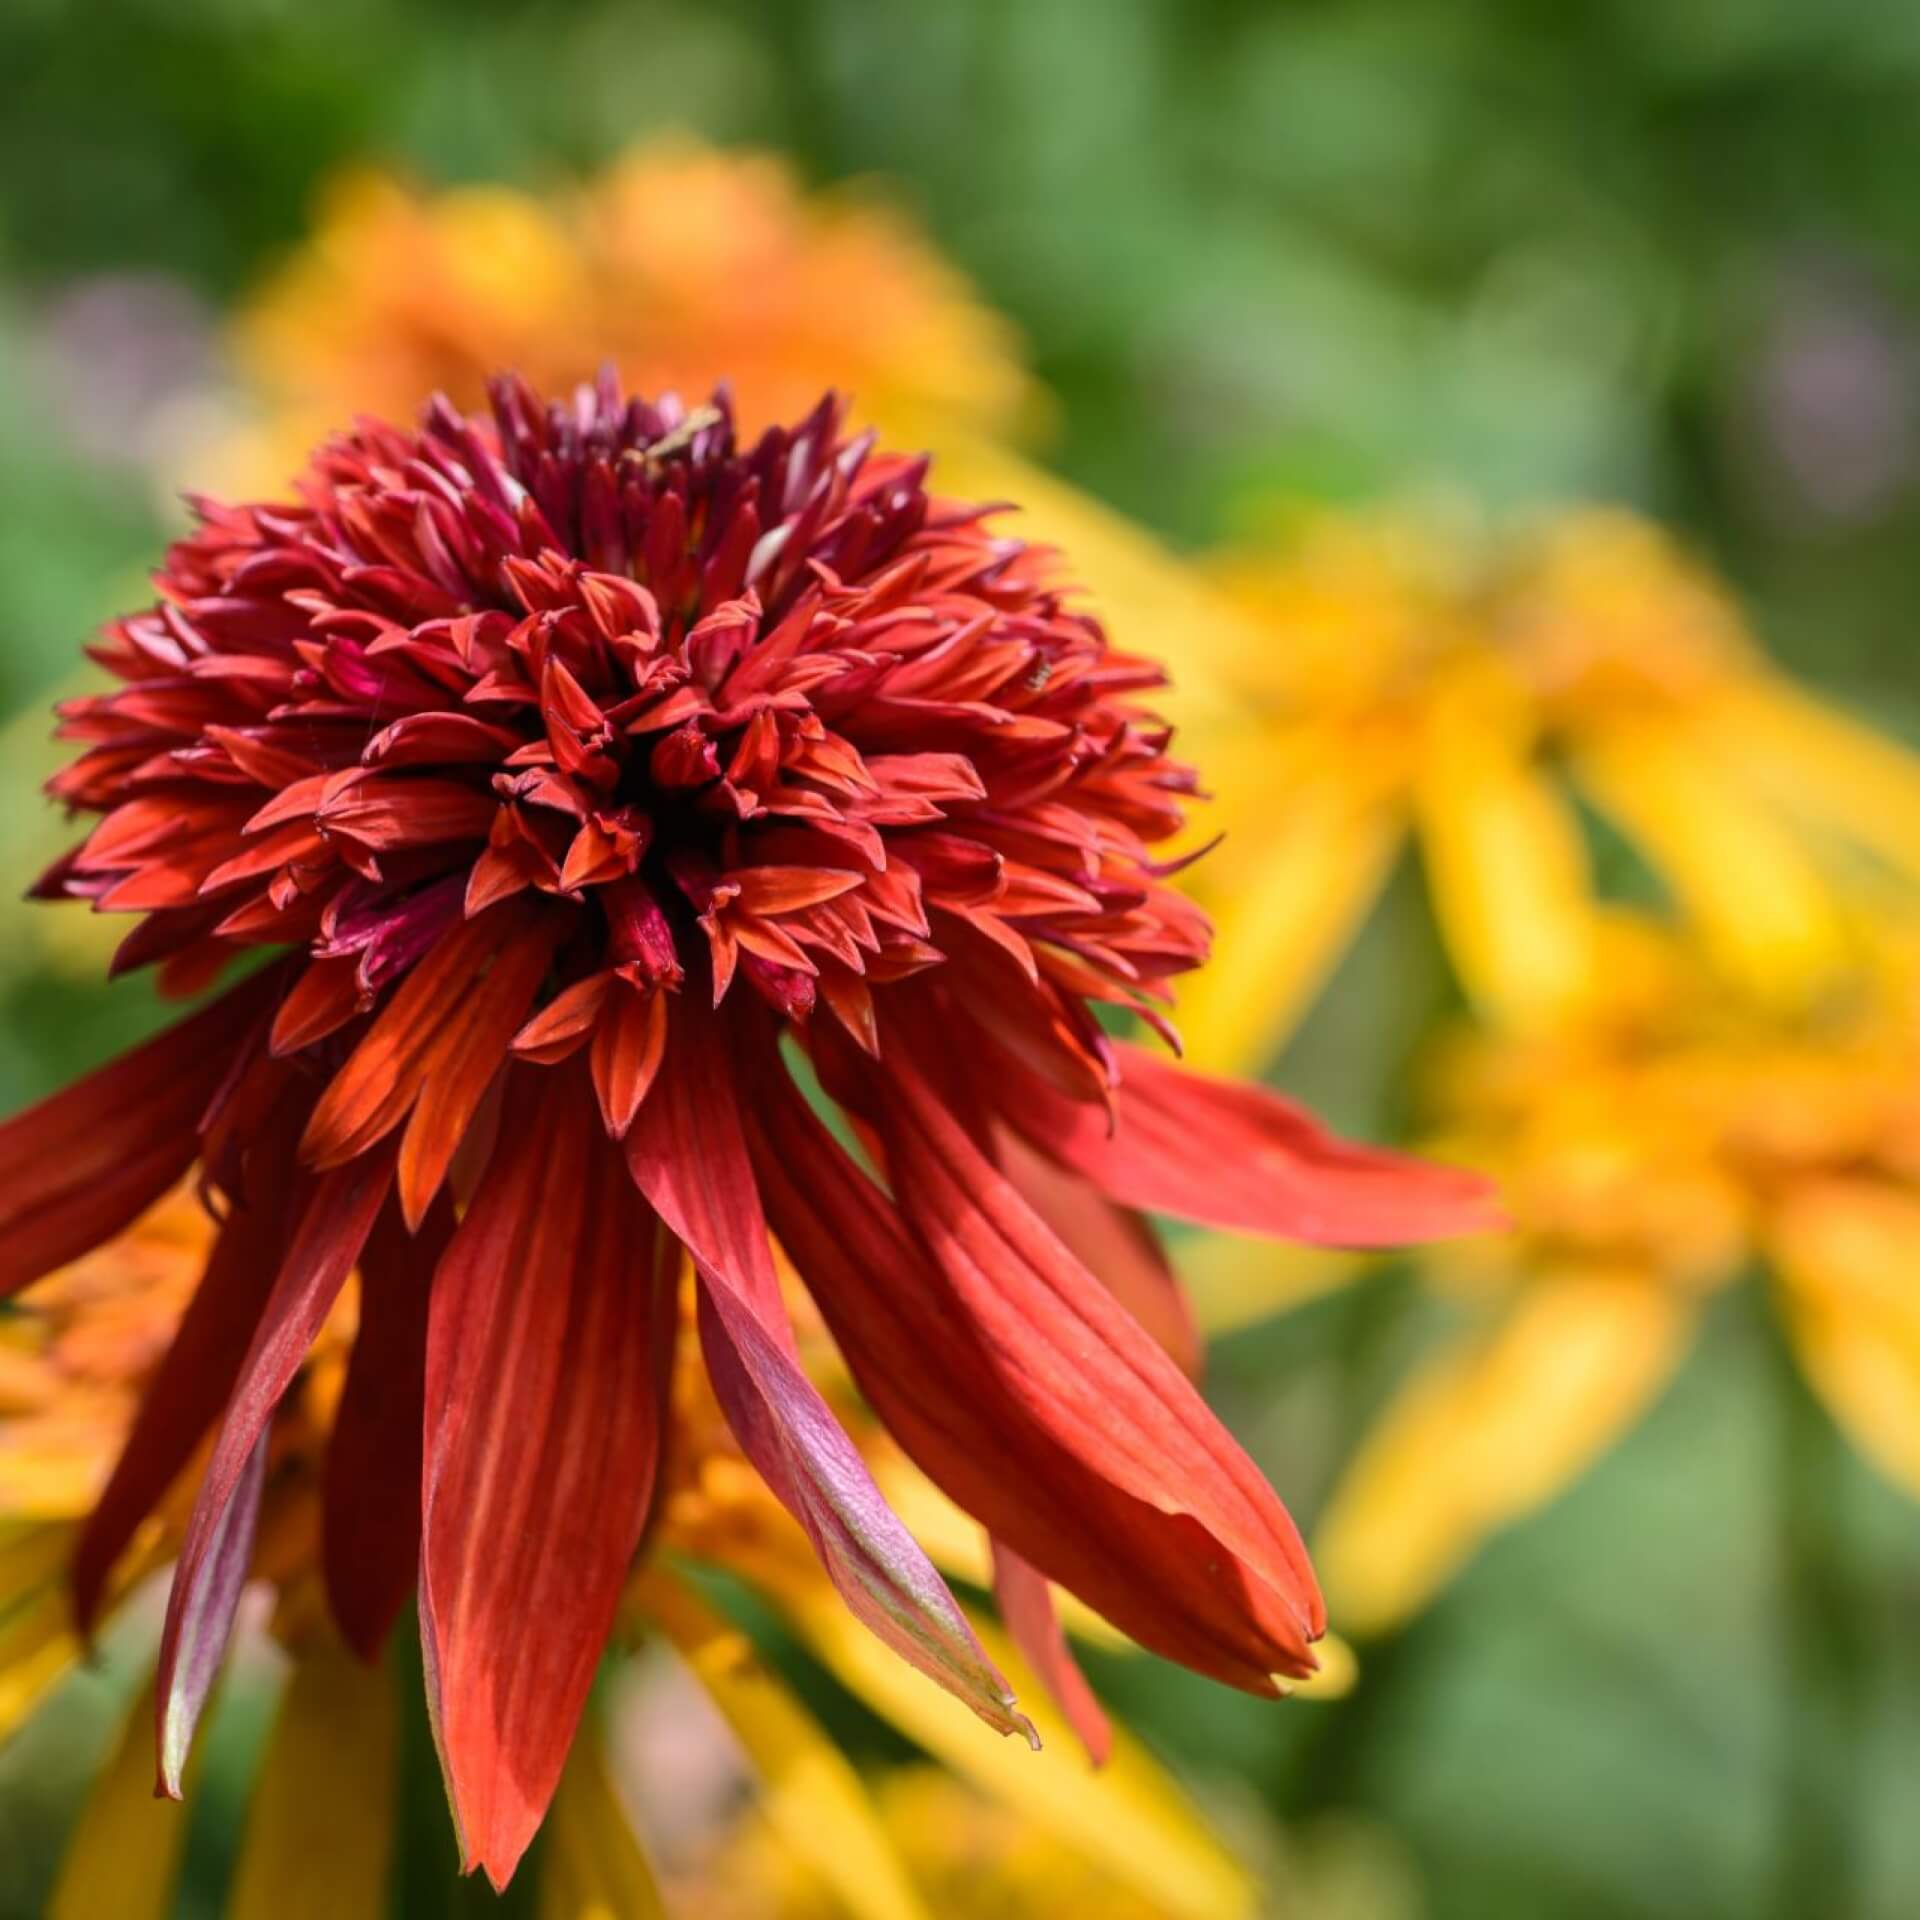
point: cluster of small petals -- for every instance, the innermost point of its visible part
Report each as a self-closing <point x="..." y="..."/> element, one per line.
<point x="778" y="707"/>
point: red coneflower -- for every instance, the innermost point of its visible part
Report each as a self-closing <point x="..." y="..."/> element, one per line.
<point x="587" y="773"/>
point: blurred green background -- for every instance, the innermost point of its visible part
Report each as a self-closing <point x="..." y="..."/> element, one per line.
<point x="1335" y="250"/>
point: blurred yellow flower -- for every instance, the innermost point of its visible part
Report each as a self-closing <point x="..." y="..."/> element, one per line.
<point x="76" y="1359"/>
<point x="1415" y="675"/>
<point x="1676" y="1137"/>
<point x="979" y="1859"/>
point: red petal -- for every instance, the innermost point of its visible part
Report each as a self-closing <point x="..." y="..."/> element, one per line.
<point x="197" y="1373"/>
<point x="689" y="1157"/>
<point x="86" y="1162"/>
<point x="324" y="1246"/>
<point x="325" y="997"/>
<point x="565" y="1024"/>
<point x="373" y="1092"/>
<point x="1026" y="1605"/>
<point x="370" y="1516"/>
<point x="462" y="1063"/>
<point x="542" y="1439"/>
<point x="1023" y="1389"/>
<point x="1244" y="1159"/>
<point x="1112" y="1242"/>
<point x="627" y="1048"/>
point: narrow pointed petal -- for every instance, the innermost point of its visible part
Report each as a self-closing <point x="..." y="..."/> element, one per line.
<point x="542" y="1441"/>
<point x="200" y="1618"/>
<point x="370" y="1510"/>
<point x="213" y="1557"/>
<point x="1026" y="1605"/>
<point x="1129" y="1817"/>
<point x="193" y="1380"/>
<point x="688" y="1155"/>
<point x="1023" y="1390"/>
<point x="463" y="1065"/>
<point x="1244" y="1159"/>
<point x="91" y="1159"/>
<point x="1114" y="1243"/>
<point x="627" y="1049"/>
<point x="790" y="1434"/>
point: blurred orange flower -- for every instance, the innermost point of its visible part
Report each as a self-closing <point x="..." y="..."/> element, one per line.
<point x="683" y="265"/>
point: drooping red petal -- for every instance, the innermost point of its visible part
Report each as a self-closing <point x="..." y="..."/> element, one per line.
<point x="542" y="1441"/>
<point x="688" y="1155"/>
<point x="197" y="1373"/>
<point x="370" y="1511"/>
<point x="1242" y="1158"/>
<point x="88" y="1161"/>
<point x="1026" y="1605"/>
<point x="1022" y="1388"/>
<point x="1114" y="1243"/>
<point x="320" y="1255"/>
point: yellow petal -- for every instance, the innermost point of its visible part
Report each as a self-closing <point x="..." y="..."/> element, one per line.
<point x="1847" y="1252"/>
<point x="1762" y="909"/>
<point x="1818" y="765"/>
<point x="36" y="1647"/>
<point x="1301" y="879"/>
<point x="812" y="1797"/>
<point x="124" y="1852"/>
<point x="1128" y="1818"/>
<point x="1490" y="1430"/>
<point x="1506" y="864"/>
<point x="594" y="1868"/>
<point x="320" y="1828"/>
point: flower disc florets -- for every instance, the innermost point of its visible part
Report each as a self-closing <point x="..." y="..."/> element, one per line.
<point x="776" y="717"/>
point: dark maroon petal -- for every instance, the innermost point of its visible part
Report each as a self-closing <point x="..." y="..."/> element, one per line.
<point x="91" y="1159"/>
<point x="370" y="1513"/>
<point x="324" y="1246"/>
<point x="197" y="1373"/>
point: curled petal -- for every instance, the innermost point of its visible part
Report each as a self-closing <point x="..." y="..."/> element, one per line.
<point x="1021" y="1387"/>
<point x="688" y="1155"/>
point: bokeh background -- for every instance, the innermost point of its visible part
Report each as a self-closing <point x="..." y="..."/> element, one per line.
<point x="1262" y="258"/>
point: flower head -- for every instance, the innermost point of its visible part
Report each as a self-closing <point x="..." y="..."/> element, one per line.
<point x="583" y="771"/>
